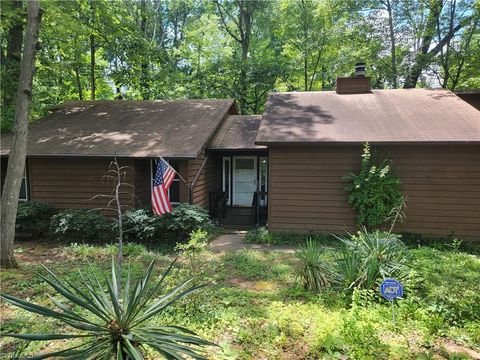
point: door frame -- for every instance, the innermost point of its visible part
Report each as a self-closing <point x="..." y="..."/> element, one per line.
<point x="234" y="170"/>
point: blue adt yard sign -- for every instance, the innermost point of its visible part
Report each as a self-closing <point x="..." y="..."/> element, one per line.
<point x="391" y="289"/>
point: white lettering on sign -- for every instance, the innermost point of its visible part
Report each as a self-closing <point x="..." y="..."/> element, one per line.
<point x="391" y="290"/>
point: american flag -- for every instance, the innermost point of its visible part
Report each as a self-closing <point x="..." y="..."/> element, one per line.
<point x="163" y="179"/>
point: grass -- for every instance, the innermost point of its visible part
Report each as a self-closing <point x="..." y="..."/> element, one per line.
<point x="256" y="308"/>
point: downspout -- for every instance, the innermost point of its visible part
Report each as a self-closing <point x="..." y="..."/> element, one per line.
<point x="192" y="184"/>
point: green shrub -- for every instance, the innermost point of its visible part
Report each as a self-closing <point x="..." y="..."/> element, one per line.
<point x="374" y="192"/>
<point x="80" y="225"/>
<point x="142" y="225"/>
<point x="196" y="245"/>
<point x="34" y="218"/>
<point x="258" y="235"/>
<point x="314" y="274"/>
<point x="368" y="257"/>
<point x="184" y="218"/>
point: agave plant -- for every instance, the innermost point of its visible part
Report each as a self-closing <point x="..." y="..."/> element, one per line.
<point x="114" y="323"/>
<point x="314" y="273"/>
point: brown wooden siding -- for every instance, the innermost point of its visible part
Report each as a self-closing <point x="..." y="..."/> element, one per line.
<point x="442" y="185"/>
<point x="71" y="183"/>
<point x="208" y="180"/>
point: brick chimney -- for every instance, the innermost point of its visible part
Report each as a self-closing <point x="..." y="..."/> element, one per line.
<point x="358" y="84"/>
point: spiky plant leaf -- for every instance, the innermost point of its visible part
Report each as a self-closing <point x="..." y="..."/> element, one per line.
<point x="115" y="322"/>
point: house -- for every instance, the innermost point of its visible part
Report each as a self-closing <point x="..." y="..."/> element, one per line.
<point x="284" y="167"/>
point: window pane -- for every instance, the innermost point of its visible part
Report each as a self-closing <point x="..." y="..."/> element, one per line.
<point x="263" y="174"/>
<point x="226" y="177"/>
<point x="175" y="191"/>
<point x="23" y="190"/>
<point x="244" y="163"/>
<point x="176" y="165"/>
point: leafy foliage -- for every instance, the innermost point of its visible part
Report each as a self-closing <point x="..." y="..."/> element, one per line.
<point x="374" y="192"/>
<point x="185" y="49"/>
<point x="195" y="246"/>
<point x="197" y="243"/>
<point x="141" y="225"/>
<point x="439" y="284"/>
<point x="368" y="257"/>
<point x="185" y="218"/>
<point x="80" y="225"/>
<point x="33" y="217"/>
<point x="261" y="235"/>
<point x="116" y="326"/>
<point x="441" y="243"/>
<point x="314" y="274"/>
<point x="258" y="235"/>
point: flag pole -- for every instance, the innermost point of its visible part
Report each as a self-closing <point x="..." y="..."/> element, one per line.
<point x="175" y="171"/>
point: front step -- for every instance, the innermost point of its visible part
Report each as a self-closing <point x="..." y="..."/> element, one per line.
<point x="238" y="217"/>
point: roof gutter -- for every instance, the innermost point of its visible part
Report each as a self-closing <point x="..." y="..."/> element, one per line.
<point x="192" y="184"/>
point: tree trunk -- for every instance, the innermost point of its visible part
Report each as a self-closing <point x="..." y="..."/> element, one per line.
<point x="18" y="149"/>
<point x="92" y="55"/>
<point x="11" y="65"/>
<point x="144" y="65"/>
<point x="77" y="70"/>
<point x="243" y="79"/>
<point x="79" y="82"/>
<point x="421" y="58"/>
<point x="92" y="66"/>
<point x="392" y="43"/>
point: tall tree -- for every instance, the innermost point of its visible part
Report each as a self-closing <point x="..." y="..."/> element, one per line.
<point x="429" y="48"/>
<point x="11" y="60"/>
<point x="449" y="65"/>
<point x="18" y="150"/>
<point x="237" y="19"/>
<point x="393" y="46"/>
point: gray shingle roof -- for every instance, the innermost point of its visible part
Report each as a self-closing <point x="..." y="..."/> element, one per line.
<point x="126" y="128"/>
<point x="383" y="116"/>
<point x="237" y="132"/>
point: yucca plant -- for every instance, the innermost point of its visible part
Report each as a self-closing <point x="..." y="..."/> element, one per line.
<point x="369" y="257"/>
<point x="314" y="273"/>
<point x="114" y="323"/>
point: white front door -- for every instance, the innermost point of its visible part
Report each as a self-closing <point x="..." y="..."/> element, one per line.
<point x="244" y="179"/>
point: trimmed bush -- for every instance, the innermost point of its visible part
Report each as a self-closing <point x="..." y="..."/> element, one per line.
<point x="80" y="225"/>
<point x="185" y="218"/>
<point x="34" y="218"/>
<point x="141" y="225"/>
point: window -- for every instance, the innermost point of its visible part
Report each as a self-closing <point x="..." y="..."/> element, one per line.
<point x="263" y="180"/>
<point x="174" y="190"/>
<point x="226" y="178"/>
<point x="23" y="187"/>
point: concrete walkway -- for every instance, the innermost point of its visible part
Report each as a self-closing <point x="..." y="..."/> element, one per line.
<point x="234" y="242"/>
